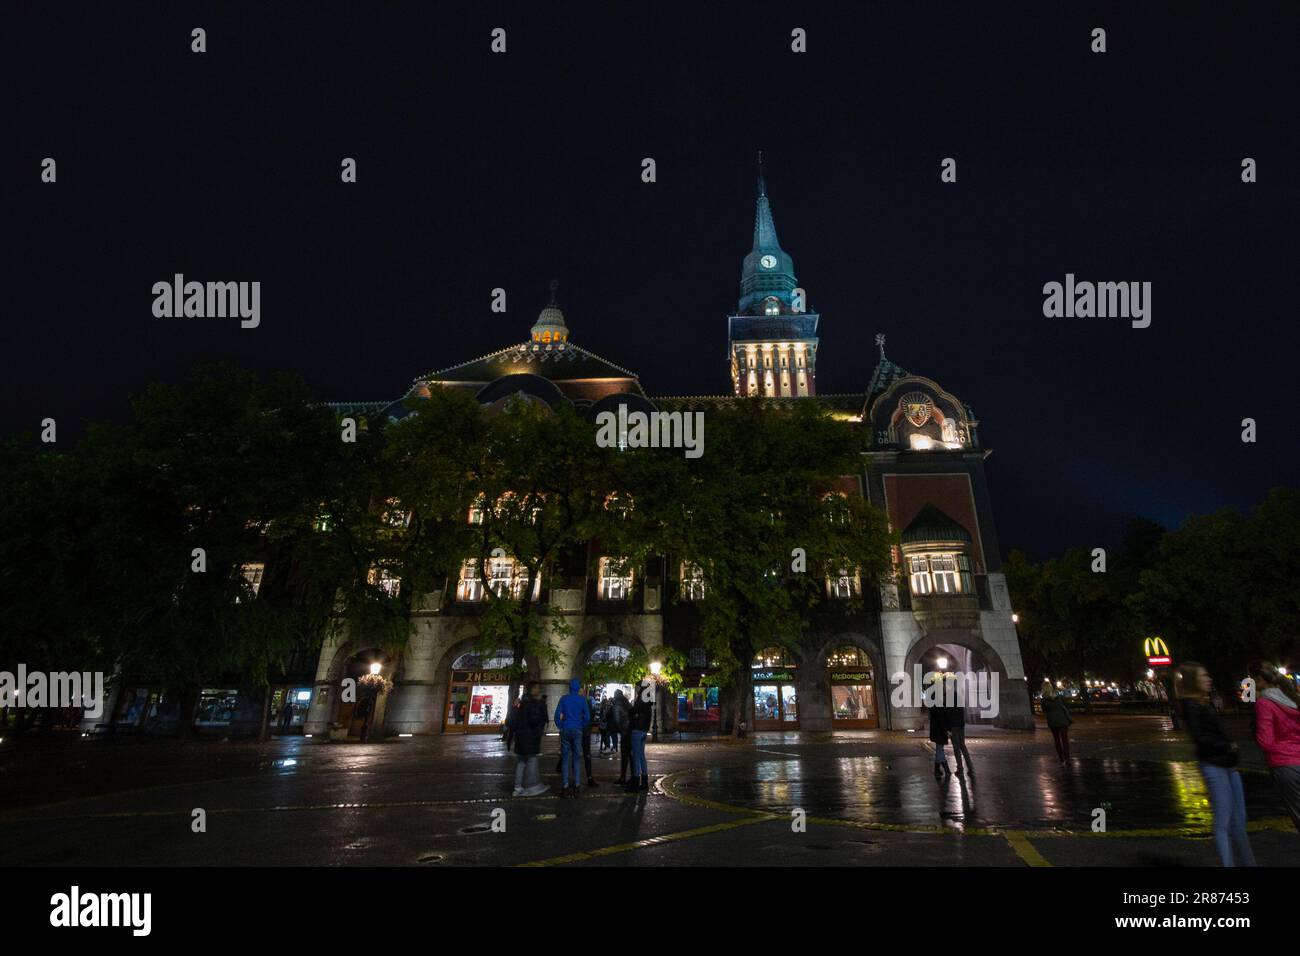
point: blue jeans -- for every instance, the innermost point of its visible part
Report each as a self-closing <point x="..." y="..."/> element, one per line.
<point x="1228" y="801"/>
<point x="638" y="754"/>
<point x="570" y="747"/>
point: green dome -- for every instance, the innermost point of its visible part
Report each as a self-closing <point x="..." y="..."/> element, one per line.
<point x="933" y="526"/>
<point x="550" y="326"/>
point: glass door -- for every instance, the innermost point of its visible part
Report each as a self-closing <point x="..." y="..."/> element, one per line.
<point x="458" y="697"/>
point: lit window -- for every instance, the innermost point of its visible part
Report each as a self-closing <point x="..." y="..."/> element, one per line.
<point x="772" y="305"/>
<point x="252" y="574"/>
<point x="394" y="516"/>
<point x="323" y="522"/>
<point x="385" y="580"/>
<point x="615" y="579"/>
<point x="476" y="511"/>
<point x="692" y="581"/>
<point x="844" y="585"/>
<point x="940" y="574"/>
<point x="619" y="503"/>
<point x="470" y="586"/>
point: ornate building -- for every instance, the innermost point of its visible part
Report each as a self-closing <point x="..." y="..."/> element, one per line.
<point x="924" y="470"/>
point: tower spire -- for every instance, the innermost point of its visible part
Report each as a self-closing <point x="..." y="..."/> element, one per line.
<point x="764" y="226"/>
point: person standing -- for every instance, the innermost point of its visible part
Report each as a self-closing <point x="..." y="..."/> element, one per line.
<point x="1057" y="713"/>
<point x="1217" y="756"/>
<point x="286" y="717"/>
<point x="586" y="742"/>
<point x="939" y="737"/>
<point x="1277" y="731"/>
<point x="954" y="720"/>
<point x="572" y="715"/>
<point x="620" y="717"/>
<point x="528" y="724"/>
<point x="639" y="723"/>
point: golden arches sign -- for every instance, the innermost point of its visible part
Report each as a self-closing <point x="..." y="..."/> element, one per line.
<point x="1156" y="650"/>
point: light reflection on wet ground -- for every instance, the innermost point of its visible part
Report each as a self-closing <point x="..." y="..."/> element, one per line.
<point x="1033" y="794"/>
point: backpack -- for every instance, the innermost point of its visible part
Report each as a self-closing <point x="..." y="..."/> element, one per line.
<point x="618" y="716"/>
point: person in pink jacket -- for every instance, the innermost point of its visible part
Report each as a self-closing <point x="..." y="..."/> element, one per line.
<point x="1277" y="730"/>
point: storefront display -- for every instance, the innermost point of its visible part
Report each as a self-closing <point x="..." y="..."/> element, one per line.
<point x="776" y="704"/>
<point x="478" y="693"/>
<point x="853" y="690"/>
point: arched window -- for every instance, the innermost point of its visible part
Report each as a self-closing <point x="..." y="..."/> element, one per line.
<point x="497" y="660"/>
<point x="848" y="656"/>
<point x="610" y="654"/>
<point x="771" y="305"/>
<point x="770" y="657"/>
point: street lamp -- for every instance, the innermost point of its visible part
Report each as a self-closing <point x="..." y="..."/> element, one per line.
<point x="376" y="667"/>
<point x="655" y="668"/>
<point x="942" y="663"/>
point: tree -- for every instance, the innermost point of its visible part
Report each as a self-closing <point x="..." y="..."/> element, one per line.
<point x="757" y="513"/>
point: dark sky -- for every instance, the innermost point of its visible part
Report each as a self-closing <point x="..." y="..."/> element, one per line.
<point x="479" y="170"/>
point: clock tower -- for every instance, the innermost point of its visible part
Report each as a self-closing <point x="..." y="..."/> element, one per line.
<point x="772" y="338"/>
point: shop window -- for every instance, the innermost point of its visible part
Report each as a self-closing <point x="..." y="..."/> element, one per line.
<point x="216" y="707"/>
<point x="848" y="657"/>
<point x="615" y="579"/>
<point x="692" y="581"/>
<point x="771" y="657"/>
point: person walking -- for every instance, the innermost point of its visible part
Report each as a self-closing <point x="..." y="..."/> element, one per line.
<point x="639" y="724"/>
<point x="620" y="718"/>
<point x="1217" y="756"/>
<point x="1277" y="731"/>
<point x="1057" y="713"/>
<point x="954" y="720"/>
<point x="528" y="724"/>
<point x="286" y="717"/>
<point x="572" y="715"/>
<point x="603" y="721"/>
<point x="939" y="737"/>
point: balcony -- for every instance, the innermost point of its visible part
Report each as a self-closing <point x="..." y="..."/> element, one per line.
<point x="946" y="611"/>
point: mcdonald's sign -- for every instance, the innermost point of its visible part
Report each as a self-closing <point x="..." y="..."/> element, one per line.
<point x="1157" y="652"/>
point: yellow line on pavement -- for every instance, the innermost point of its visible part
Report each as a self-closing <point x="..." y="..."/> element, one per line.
<point x="650" y="841"/>
<point x="1024" y="849"/>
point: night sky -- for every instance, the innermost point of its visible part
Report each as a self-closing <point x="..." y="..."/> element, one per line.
<point x="478" y="170"/>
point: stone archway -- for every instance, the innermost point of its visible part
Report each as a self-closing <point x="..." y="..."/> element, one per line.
<point x="1011" y="702"/>
<point x="440" y="686"/>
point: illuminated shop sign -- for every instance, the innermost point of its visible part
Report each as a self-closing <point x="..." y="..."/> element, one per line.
<point x="1157" y="652"/>
<point x="773" y="675"/>
<point x="851" y="675"/>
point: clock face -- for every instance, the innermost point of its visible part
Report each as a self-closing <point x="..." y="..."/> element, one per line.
<point x="768" y="262"/>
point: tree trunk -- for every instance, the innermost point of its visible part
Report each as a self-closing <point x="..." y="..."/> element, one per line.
<point x="264" y="733"/>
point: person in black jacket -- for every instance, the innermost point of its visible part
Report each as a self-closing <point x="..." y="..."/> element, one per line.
<point x="1217" y="756"/>
<point x="954" y="721"/>
<point x="620" y="717"/>
<point x="939" y="737"/>
<point x="528" y="723"/>
<point x="640" y="727"/>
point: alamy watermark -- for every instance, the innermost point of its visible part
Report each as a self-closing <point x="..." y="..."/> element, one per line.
<point x="1086" y="300"/>
<point x="945" y="689"/>
<point x="208" y="300"/>
<point x="58" y="689"/>
<point x="651" y="430"/>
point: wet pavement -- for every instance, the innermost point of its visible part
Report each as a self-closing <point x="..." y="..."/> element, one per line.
<point x="862" y="798"/>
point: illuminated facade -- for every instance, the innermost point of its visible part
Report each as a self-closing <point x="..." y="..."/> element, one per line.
<point x="924" y="470"/>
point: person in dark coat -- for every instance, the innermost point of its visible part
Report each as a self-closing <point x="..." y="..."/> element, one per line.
<point x="642" y="709"/>
<point x="939" y="737"/>
<point x="1057" y="713"/>
<point x="620" y="717"/>
<point x="954" y="721"/>
<point x="1217" y="755"/>
<point x="528" y="723"/>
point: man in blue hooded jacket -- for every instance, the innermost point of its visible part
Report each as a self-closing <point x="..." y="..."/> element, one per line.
<point x="572" y="717"/>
